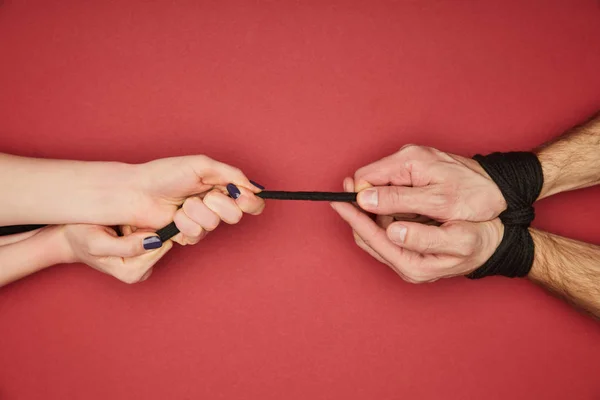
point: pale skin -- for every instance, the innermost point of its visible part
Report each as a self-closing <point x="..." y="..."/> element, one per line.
<point x="460" y="205"/>
<point x="80" y="200"/>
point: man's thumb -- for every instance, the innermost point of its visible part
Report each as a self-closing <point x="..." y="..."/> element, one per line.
<point x="387" y="200"/>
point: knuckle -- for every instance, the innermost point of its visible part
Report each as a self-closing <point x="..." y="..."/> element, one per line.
<point x="191" y="204"/>
<point x="394" y="196"/>
<point x="208" y="197"/>
<point x="468" y="240"/>
<point x="204" y="159"/>
<point x="237" y="217"/>
<point x="470" y="243"/>
<point x="132" y="248"/>
<point x="212" y="224"/>
<point x="195" y="231"/>
<point x="415" y="150"/>
<point x="237" y="172"/>
<point x="427" y="244"/>
<point x="359" y="173"/>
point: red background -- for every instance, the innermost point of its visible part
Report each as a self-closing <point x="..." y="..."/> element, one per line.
<point x="299" y="95"/>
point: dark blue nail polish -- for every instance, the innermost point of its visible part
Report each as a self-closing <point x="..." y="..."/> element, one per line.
<point x="152" y="242"/>
<point x="233" y="191"/>
<point x="261" y="187"/>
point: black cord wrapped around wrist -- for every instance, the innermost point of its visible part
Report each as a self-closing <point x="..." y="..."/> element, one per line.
<point x="520" y="178"/>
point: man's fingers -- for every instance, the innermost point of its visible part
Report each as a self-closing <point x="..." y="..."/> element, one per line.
<point x="348" y="185"/>
<point x="397" y="169"/>
<point x="384" y="221"/>
<point x="382" y="172"/>
<point x="455" y="239"/>
<point x="361" y="243"/>
<point x="372" y="235"/>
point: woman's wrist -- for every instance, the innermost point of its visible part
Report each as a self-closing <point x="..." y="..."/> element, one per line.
<point x="52" y="243"/>
<point x="111" y="189"/>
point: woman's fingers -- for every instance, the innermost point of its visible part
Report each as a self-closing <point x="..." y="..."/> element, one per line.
<point x="247" y="201"/>
<point x="104" y="242"/>
<point x="134" y="269"/>
<point x="190" y="232"/>
<point x="216" y="173"/>
<point x="201" y="214"/>
<point x="223" y="206"/>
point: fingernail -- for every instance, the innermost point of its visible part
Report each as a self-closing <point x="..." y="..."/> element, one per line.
<point x="369" y="198"/>
<point x="152" y="242"/>
<point x="233" y="191"/>
<point x="258" y="185"/>
<point x="397" y="233"/>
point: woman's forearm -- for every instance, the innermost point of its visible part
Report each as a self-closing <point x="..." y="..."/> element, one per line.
<point x="41" y="191"/>
<point x="35" y="253"/>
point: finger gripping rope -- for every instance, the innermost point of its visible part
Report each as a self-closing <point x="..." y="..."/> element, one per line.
<point x="171" y="230"/>
<point x="520" y="178"/>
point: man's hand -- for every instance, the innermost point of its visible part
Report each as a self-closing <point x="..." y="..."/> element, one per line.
<point x="426" y="181"/>
<point x="419" y="252"/>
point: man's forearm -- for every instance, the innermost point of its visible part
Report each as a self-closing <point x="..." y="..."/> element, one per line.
<point x="572" y="161"/>
<point x="40" y="191"/>
<point x="568" y="268"/>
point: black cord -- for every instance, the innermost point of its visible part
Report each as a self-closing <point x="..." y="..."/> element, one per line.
<point x="309" y="196"/>
<point x="520" y="178"/>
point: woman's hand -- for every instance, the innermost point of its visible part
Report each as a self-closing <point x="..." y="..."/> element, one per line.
<point x="189" y="190"/>
<point x="101" y="248"/>
<point x="196" y="192"/>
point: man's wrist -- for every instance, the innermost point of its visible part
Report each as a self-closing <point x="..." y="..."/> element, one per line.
<point x="551" y="174"/>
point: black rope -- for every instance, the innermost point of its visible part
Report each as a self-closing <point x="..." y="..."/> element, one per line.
<point x="309" y="196"/>
<point x="520" y="178"/>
